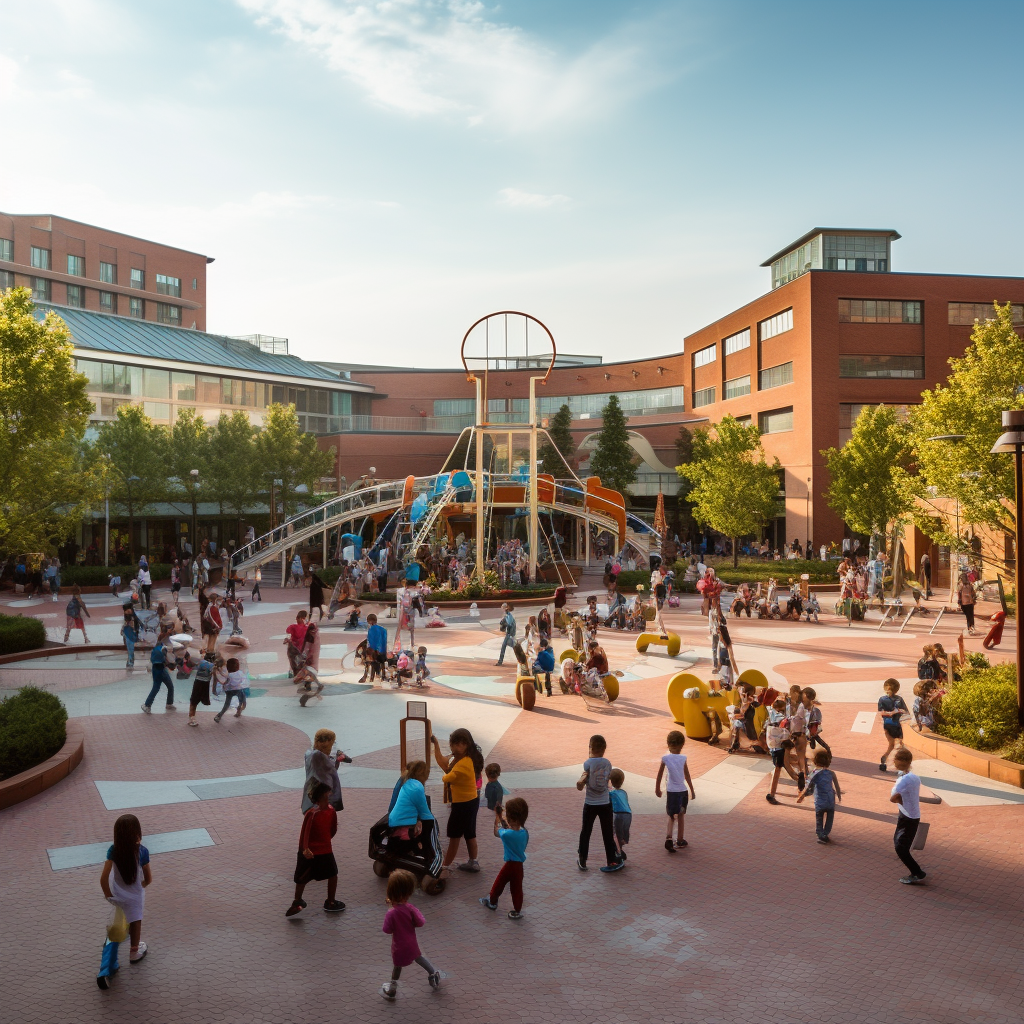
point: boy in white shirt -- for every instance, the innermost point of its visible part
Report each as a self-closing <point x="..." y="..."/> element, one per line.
<point x="676" y="798"/>
<point x="907" y="793"/>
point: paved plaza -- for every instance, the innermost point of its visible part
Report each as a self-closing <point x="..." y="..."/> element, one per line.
<point x="754" y="921"/>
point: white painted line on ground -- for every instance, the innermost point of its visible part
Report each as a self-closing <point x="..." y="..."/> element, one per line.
<point x="869" y="663"/>
<point x="863" y="722"/>
<point x="63" y="857"/>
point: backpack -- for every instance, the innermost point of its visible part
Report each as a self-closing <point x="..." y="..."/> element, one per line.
<point x="156" y="656"/>
<point x="73" y="610"/>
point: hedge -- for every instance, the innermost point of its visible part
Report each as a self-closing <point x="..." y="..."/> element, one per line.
<point x="18" y="633"/>
<point x="32" y="728"/>
<point x="96" y="575"/>
<point x="980" y="710"/>
<point x="757" y="571"/>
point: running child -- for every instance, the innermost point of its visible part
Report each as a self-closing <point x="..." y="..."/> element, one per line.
<point x="315" y="859"/>
<point x="125" y="876"/>
<point x="401" y="922"/>
<point x="622" y="813"/>
<point x="810" y="702"/>
<point x="514" y="837"/>
<point x="676" y="798"/>
<point x="825" y="784"/>
<point x="891" y="707"/>
<point x="234" y="689"/>
<point x="73" y="611"/>
<point x="907" y="793"/>
<point x="200" y="688"/>
<point x="779" y="743"/>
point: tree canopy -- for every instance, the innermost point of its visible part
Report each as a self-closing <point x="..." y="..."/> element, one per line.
<point x="286" y="454"/>
<point x="733" y="487"/>
<point x="561" y="452"/>
<point x="231" y="462"/>
<point x="614" y="460"/>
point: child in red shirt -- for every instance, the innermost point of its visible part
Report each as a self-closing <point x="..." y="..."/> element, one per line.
<point x="315" y="860"/>
<point x="401" y="922"/>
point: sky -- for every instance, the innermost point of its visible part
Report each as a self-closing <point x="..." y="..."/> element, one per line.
<point x="371" y="177"/>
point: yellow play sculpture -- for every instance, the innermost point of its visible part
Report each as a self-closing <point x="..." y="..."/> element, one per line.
<point x="670" y="641"/>
<point x="690" y="712"/>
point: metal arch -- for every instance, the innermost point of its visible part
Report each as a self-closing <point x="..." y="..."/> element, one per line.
<point x="507" y="312"/>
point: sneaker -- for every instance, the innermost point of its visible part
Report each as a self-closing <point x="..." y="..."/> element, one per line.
<point x="333" y="906"/>
<point x="216" y="718"/>
<point x="485" y="901"/>
<point x="103" y="981"/>
<point x="434" y="979"/>
<point x="294" y="909"/>
<point x="388" y="991"/>
<point x="680" y="843"/>
<point x="514" y="915"/>
<point x="147" y="709"/>
<point x="823" y="839"/>
<point x="800" y="781"/>
<point x="581" y="864"/>
<point x="882" y="767"/>
<point x="622" y="856"/>
<point x="137" y="954"/>
<point x="771" y="799"/>
<point x="669" y="846"/>
<point x="171" y="707"/>
<point x="470" y="865"/>
<point x="609" y="868"/>
<point x="913" y="880"/>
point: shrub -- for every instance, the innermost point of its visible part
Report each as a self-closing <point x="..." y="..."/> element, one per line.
<point x="18" y="633"/>
<point x="759" y="571"/>
<point x="33" y="727"/>
<point x="980" y="710"/>
<point x="96" y="575"/>
<point x="1015" y="751"/>
<point x="975" y="659"/>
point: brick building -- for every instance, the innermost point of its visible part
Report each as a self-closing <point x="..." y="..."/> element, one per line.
<point x="86" y="267"/>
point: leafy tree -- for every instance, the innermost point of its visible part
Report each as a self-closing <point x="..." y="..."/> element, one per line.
<point x="284" y="453"/>
<point x="982" y="383"/>
<point x="869" y="485"/>
<point x="188" y="449"/>
<point x="232" y="457"/>
<point x="684" y="456"/>
<point x="46" y="481"/>
<point x="613" y="458"/>
<point x="733" y="488"/>
<point x="135" y="452"/>
<point x="561" y="452"/>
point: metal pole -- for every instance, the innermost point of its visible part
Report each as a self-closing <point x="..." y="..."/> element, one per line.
<point x="106" y="531"/>
<point x="479" y="431"/>
<point x="1018" y="479"/>
<point x="533" y="481"/>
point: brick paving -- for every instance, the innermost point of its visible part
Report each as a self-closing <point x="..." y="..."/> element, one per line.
<point x="754" y="921"/>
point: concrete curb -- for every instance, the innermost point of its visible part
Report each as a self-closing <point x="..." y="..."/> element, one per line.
<point x="51" y="771"/>
<point x="988" y="766"/>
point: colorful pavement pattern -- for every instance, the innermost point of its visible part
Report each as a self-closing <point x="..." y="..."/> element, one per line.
<point x="753" y="922"/>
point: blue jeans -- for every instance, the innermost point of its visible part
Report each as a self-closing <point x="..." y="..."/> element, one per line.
<point x="823" y="820"/>
<point x="229" y="695"/>
<point x="507" y="642"/>
<point x="161" y="675"/>
<point x="129" y="642"/>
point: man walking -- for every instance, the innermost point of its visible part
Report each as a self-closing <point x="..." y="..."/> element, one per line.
<point x="926" y="575"/>
<point x="508" y="625"/>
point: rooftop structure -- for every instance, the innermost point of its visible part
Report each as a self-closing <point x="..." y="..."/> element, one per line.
<point x="865" y="250"/>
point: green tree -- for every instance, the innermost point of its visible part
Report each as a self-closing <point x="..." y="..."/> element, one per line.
<point x="732" y="486"/>
<point x="613" y="459"/>
<point x="284" y="453"/>
<point x="188" y="449"/>
<point x="135" y="452"/>
<point x="684" y="456"/>
<point x="47" y="482"/>
<point x="561" y="451"/>
<point x="869" y="486"/>
<point x="232" y="457"/>
<point x="982" y="383"/>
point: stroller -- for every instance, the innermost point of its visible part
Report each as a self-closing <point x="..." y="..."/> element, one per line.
<point x="389" y="852"/>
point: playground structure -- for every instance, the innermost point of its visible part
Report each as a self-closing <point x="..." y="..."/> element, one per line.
<point x="690" y="700"/>
<point x="489" y="490"/>
<point x="670" y="641"/>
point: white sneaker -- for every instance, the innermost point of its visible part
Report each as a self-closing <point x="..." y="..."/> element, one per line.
<point x="388" y="992"/>
<point x="147" y="709"/>
<point x="138" y="954"/>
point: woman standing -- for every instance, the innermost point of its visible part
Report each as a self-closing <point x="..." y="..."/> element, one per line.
<point x="316" y="595"/>
<point x="462" y="785"/>
<point x="965" y="598"/>
<point x="175" y="581"/>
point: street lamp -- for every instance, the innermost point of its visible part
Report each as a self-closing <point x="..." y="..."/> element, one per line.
<point x="1012" y="440"/>
<point x="194" y="474"/>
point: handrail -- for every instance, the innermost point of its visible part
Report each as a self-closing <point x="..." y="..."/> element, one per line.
<point x="429" y="518"/>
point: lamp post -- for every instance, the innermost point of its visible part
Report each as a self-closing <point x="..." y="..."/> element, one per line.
<point x="194" y="474"/>
<point x="1012" y="440"/>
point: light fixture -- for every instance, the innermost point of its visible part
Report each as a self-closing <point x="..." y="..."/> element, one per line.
<point x="607" y="376"/>
<point x="662" y="370"/>
<point x="636" y="373"/>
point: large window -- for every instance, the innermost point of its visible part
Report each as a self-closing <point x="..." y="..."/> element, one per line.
<point x="737" y="386"/>
<point x="454" y="406"/>
<point x="6" y="280"/>
<point x="737" y="342"/>
<point x="789" y="267"/>
<point x="40" y="289"/>
<point x="704" y="356"/>
<point x="706" y="396"/>
<point x="183" y="387"/>
<point x="156" y="383"/>
<point x="881" y="366"/>
<point x="76" y="266"/>
<point x="167" y="314"/>
<point x="108" y="273"/>
<point x="967" y="312"/>
<point x="110" y="378"/>
<point x="40" y="258"/>
<point x="634" y="403"/>
<point x="138" y="278"/>
<point x="775" y="422"/>
<point x="7" y="249"/>
<point x="776" y="376"/>
<point x="108" y="302"/>
<point x="865" y="253"/>
<point x="777" y="324"/>
<point x="879" y="311"/>
<point x="168" y="285"/>
<point x="75" y="295"/>
<point x="157" y="410"/>
<point x="137" y="308"/>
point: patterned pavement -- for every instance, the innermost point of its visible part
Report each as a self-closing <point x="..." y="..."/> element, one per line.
<point x="754" y="921"/>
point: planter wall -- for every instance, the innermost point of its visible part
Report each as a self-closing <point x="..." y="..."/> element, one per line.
<point x="988" y="766"/>
<point x="35" y="780"/>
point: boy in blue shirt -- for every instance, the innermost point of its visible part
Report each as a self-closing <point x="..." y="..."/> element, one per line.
<point x="622" y="813"/>
<point x="514" y="837"/>
<point x="826" y="791"/>
<point x="545" y="662"/>
<point x="494" y="793"/>
<point x="377" y="649"/>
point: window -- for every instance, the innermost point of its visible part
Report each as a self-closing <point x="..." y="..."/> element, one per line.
<point x="777" y="324"/>
<point x="166" y="314"/>
<point x="706" y="396"/>
<point x="76" y="266"/>
<point x="634" y="403"/>
<point x="108" y="302"/>
<point x="776" y="376"/>
<point x="108" y="273"/>
<point x="75" y="295"/>
<point x="156" y="383"/>
<point x="40" y="258"/>
<point x="195" y="282"/>
<point x="168" y="285"/>
<point x="879" y="311"/>
<point x="881" y="366"/>
<point x="40" y="289"/>
<point x="157" y="410"/>
<point x="210" y="391"/>
<point x="454" y="406"/>
<point x="737" y="386"/>
<point x="789" y="267"/>
<point x="183" y="387"/>
<point x="865" y="253"/>
<point x="776" y="421"/>
<point x="967" y="312"/>
<point x="704" y="356"/>
<point x="6" y="280"/>
<point x="137" y="308"/>
<point x="138" y="278"/>
<point x="737" y="342"/>
<point x="7" y="249"/>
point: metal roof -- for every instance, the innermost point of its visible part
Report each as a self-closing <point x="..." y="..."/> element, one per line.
<point x="119" y="335"/>
<point x="893" y="235"/>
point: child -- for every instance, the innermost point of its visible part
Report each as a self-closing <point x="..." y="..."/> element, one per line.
<point x="352" y="622"/>
<point x="779" y="743"/>
<point x="125" y="875"/>
<point x="810" y="702"/>
<point x="403" y="666"/>
<point x="234" y="688"/>
<point x="114" y="583"/>
<point x="825" y="784"/>
<point x="597" y="804"/>
<point x="514" y="837"/>
<point x="73" y="611"/>
<point x="724" y="675"/>
<point x="891" y="707"/>
<point x="622" y="814"/>
<point x="494" y="794"/>
<point x="924" y="710"/>
<point x="674" y="762"/>
<point x="200" y="689"/>
<point x="907" y="793"/>
<point x="401" y="922"/>
<point x="315" y="859"/>
<point x="422" y="672"/>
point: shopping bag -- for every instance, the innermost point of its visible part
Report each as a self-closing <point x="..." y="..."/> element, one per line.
<point x="117" y="925"/>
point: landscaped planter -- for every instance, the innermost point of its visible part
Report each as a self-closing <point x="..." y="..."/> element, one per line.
<point x="988" y="766"/>
<point x="41" y="777"/>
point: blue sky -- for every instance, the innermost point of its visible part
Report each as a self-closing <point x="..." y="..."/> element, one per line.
<point x="373" y="177"/>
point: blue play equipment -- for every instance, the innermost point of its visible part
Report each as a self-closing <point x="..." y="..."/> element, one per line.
<point x="354" y="539"/>
<point x="463" y="486"/>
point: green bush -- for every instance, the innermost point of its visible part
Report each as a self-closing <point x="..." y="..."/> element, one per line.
<point x="1015" y="751"/>
<point x="980" y="710"/>
<point x="96" y="575"/>
<point x="758" y="571"/>
<point x="33" y="727"/>
<point x="18" y="633"/>
<point x="975" y="659"/>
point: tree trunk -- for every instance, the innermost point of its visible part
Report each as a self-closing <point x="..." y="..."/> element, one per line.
<point x="131" y="532"/>
<point x="735" y="553"/>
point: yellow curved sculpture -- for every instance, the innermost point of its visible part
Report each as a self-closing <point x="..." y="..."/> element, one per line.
<point x="689" y="712"/>
<point x="568" y="654"/>
<point x="670" y="641"/>
<point x="526" y="692"/>
<point x="611" y="687"/>
<point x="752" y="677"/>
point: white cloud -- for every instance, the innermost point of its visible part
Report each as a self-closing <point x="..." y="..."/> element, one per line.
<point x="531" y="200"/>
<point x="448" y="58"/>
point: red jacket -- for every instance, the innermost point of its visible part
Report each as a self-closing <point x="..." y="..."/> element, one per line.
<point x="318" y="828"/>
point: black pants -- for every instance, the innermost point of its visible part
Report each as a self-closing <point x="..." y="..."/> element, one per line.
<point x="603" y="812"/>
<point x="256" y="595"/>
<point x="968" y="610"/>
<point x="148" y="587"/>
<point x="903" y="839"/>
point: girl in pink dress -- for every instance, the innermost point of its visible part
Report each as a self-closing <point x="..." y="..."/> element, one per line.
<point x="401" y="922"/>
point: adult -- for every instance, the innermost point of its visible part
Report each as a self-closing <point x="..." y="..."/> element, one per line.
<point x="965" y="598"/>
<point x="212" y="623"/>
<point x="52" y="576"/>
<point x="462" y="785"/>
<point x="508" y="628"/>
<point x="175" y="581"/>
<point x="130" y="631"/>
<point x="145" y="584"/>
<point x="295" y="569"/>
<point x="544" y="623"/>
<point x="926" y="574"/>
<point x="295" y="639"/>
<point x="322" y="766"/>
<point x="316" y="595"/>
